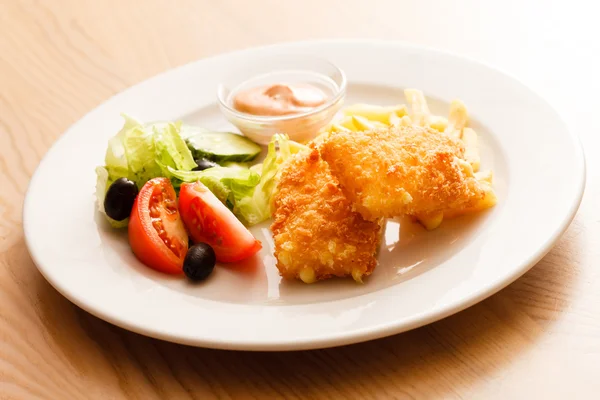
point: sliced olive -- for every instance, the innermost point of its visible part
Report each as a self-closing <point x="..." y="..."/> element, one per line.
<point x="199" y="262"/>
<point x="203" y="164"/>
<point x="119" y="199"/>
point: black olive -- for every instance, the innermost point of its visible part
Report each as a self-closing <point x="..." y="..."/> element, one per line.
<point x="199" y="261"/>
<point x="119" y="199"/>
<point x="203" y="164"/>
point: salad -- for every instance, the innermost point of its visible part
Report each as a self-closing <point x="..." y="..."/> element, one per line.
<point x="187" y="195"/>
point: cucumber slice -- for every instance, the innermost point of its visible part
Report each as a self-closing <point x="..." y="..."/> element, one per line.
<point x="238" y="165"/>
<point x="188" y="131"/>
<point x="222" y="146"/>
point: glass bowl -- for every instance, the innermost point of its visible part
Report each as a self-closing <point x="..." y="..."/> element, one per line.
<point x="288" y="69"/>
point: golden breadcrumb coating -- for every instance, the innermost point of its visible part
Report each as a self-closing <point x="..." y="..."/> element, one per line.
<point x="316" y="233"/>
<point x="403" y="170"/>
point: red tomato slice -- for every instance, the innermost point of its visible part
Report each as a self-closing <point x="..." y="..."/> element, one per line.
<point x="156" y="233"/>
<point x="210" y="221"/>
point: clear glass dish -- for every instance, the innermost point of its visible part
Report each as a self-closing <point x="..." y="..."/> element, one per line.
<point x="288" y="69"/>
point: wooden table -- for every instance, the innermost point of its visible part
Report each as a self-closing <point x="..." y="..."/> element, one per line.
<point x="538" y="338"/>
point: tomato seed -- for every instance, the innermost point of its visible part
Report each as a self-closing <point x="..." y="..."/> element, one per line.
<point x="157" y="224"/>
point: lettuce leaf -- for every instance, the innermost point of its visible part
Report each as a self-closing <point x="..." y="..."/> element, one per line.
<point x="115" y="153"/>
<point x="142" y="152"/>
<point x="258" y="207"/>
<point x="171" y="149"/>
<point x="230" y="185"/>
<point x="139" y="153"/>
<point x="102" y="184"/>
<point x="248" y="192"/>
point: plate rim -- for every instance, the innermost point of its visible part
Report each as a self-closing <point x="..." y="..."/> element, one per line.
<point x="357" y="335"/>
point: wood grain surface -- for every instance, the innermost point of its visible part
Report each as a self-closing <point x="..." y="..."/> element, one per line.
<point x="538" y="338"/>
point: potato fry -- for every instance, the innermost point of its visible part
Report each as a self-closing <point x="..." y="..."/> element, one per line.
<point x="431" y="221"/>
<point x="485" y="176"/>
<point x="366" y="117"/>
<point x="394" y="119"/>
<point x="438" y="123"/>
<point x="419" y="110"/>
<point x="489" y="200"/>
<point x="347" y="123"/>
<point x="363" y="124"/>
<point x="457" y="119"/>
<point x="399" y="121"/>
<point x="339" y="128"/>
<point x="467" y="169"/>
<point x="405" y="121"/>
<point x="469" y="137"/>
<point x="371" y="112"/>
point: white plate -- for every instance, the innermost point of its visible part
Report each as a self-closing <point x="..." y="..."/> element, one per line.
<point x="539" y="178"/>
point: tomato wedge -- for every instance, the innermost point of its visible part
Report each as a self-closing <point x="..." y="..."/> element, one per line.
<point x="210" y="221"/>
<point x="156" y="233"/>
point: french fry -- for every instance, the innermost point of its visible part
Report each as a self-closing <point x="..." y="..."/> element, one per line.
<point x="363" y="124"/>
<point x="307" y="275"/>
<point x="419" y="110"/>
<point x="347" y="123"/>
<point x="485" y="176"/>
<point x="394" y="119"/>
<point x="371" y="112"/>
<point x="466" y="167"/>
<point x="359" y="117"/>
<point x="431" y="221"/>
<point x="469" y="137"/>
<point x="488" y="200"/>
<point x="457" y="119"/>
<point x="438" y="123"/>
<point x="405" y="121"/>
<point x="338" y="128"/>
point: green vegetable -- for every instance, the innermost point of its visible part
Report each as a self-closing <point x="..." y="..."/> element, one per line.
<point x="258" y="207"/>
<point x="115" y="167"/>
<point x="115" y="153"/>
<point x="188" y="131"/>
<point x="222" y="147"/>
<point x="139" y="153"/>
<point x="102" y="185"/>
<point x="247" y="192"/>
<point x="230" y="185"/>
<point x="237" y="165"/>
<point x="171" y="150"/>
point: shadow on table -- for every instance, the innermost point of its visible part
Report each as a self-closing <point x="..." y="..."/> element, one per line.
<point x="467" y="346"/>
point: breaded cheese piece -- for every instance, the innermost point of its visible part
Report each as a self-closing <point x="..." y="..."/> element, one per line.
<point x="405" y="170"/>
<point x="316" y="233"/>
